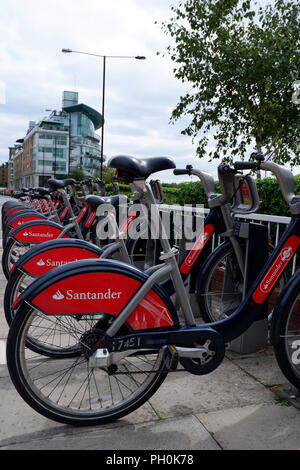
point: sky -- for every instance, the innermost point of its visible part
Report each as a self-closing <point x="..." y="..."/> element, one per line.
<point x="139" y="94"/>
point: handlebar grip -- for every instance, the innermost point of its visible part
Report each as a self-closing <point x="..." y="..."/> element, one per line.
<point x="224" y="169"/>
<point x="245" y="165"/>
<point x="181" y="172"/>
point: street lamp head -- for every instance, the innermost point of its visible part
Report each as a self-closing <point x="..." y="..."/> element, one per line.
<point x="140" y="57"/>
<point x="67" y="51"/>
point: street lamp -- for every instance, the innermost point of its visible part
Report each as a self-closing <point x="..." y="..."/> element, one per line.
<point x="104" y="57"/>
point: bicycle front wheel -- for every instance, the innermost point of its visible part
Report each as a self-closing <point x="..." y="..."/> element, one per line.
<point x="68" y="390"/>
<point x="12" y="252"/>
<point x="286" y="331"/>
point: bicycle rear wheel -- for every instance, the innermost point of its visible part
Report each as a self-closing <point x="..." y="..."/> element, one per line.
<point x="68" y="390"/>
<point x="221" y="283"/>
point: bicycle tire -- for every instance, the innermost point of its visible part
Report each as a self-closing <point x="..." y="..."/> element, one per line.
<point x="10" y="246"/>
<point x="98" y="410"/>
<point x="214" y="272"/>
<point x="285" y="330"/>
<point x="12" y="291"/>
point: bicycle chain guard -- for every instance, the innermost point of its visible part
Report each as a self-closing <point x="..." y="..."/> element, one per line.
<point x="211" y="357"/>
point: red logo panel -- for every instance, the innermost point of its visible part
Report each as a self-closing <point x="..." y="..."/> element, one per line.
<point x="131" y="217"/>
<point x="64" y="213"/>
<point x="23" y="220"/>
<point x="38" y="234"/>
<point x="103" y="293"/>
<point x="52" y="258"/>
<point x="287" y="252"/>
<point x="200" y="243"/>
<point x="81" y="213"/>
<point x="90" y="220"/>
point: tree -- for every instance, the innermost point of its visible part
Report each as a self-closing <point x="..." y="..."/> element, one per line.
<point x="78" y="174"/>
<point x="108" y="174"/>
<point x="240" y="60"/>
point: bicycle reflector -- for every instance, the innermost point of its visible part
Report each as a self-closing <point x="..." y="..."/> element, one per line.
<point x="246" y="199"/>
<point x="245" y="193"/>
<point x="157" y="191"/>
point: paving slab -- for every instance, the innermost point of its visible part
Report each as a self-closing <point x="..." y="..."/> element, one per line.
<point x="262" y="366"/>
<point x="180" y="434"/>
<point x="226" y="387"/>
<point x="18" y="419"/>
<point x="255" y="427"/>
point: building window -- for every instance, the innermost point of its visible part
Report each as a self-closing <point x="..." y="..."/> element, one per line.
<point x="55" y="152"/>
<point x="59" y="139"/>
<point x="58" y="167"/>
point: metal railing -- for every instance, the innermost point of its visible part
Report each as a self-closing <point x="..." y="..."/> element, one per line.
<point x="276" y="224"/>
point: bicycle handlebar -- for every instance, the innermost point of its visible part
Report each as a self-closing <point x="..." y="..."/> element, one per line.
<point x="181" y="172"/>
<point x="246" y="165"/>
<point x="284" y="176"/>
<point x="205" y="178"/>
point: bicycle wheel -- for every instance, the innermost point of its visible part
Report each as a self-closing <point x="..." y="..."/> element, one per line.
<point x="68" y="390"/>
<point x="221" y="283"/>
<point x="12" y="252"/>
<point x="286" y="331"/>
<point x="16" y="284"/>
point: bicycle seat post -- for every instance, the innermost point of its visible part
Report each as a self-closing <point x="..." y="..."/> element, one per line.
<point x="72" y="216"/>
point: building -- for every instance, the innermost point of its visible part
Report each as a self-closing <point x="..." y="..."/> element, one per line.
<point x="4" y="174"/>
<point x="52" y="147"/>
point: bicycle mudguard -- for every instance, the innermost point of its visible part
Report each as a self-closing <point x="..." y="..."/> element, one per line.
<point x="37" y="232"/>
<point x="11" y="204"/>
<point x="100" y="286"/>
<point x="49" y="255"/>
<point x="23" y="218"/>
<point x="15" y="213"/>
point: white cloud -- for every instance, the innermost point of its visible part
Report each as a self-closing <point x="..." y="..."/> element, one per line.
<point x="139" y="94"/>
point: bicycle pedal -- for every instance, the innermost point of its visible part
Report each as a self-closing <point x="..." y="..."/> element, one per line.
<point x="171" y="357"/>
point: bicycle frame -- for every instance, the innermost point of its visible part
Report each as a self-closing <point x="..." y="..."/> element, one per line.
<point x="218" y="221"/>
<point x="229" y="328"/>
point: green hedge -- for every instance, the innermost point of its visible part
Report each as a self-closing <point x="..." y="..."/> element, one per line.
<point x="170" y="192"/>
<point x="193" y="194"/>
<point x="269" y="192"/>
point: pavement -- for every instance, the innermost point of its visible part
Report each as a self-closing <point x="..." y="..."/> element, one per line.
<point x="245" y="404"/>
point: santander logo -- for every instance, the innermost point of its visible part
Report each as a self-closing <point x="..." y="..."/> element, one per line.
<point x="58" y="296"/>
<point x="54" y="263"/>
<point x="197" y="248"/>
<point x="42" y="235"/>
<point x="286" y="253"/>
<point x="73" y="295"/>
<point x="38" y="235"/>
<point x="277" y="268"/>
<point x="40" y="263"/>
<point x="268" y="282"/>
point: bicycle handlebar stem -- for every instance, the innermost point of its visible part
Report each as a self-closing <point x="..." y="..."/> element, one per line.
<point x="285" y="179"/>
<point x="205" y="178"/>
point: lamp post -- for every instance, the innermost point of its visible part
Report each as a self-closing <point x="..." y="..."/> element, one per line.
<point x="104" y="57"/>
<point x="43" y="165"/>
